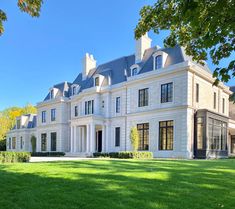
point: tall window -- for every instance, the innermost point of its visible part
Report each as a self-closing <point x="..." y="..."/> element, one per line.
<point x="223" y="105"/>
<point x="53" y="141"/>
<point x="21" y="142"/>
<point x="158" y="62"/>
<point x="9" y="143"/>
<point x="143" y="130"/>
<point x="118" y="104"/>
<point x="76" y="111"/>
<point x="43" y="116"/>
<point x="166" y="135"/>
<point x="217" y="134"/>
<point x="197" y="92"/>
<point x="18" y="124"/>
<point x="214" y="100"/>
<point x="89" y="107"/>
<point x="97" y="81"/>
<point x="200" y="125"/>
<point x="53" y="114"/>
<point x="74" y="90"/>
<point x="143" y="97"/>
<point x="134" y="71"/>
<point x="43" y="142"/>
<point x="166" y="92"/>
<point x="117" y="136"/>
<point x="13" y="142"/>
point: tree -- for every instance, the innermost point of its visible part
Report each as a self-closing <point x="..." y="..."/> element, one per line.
<point x="8" y="119"/>
<point x="32" y="7"/>
<point x="205" y="28"/>
<point x="134" y="136"/>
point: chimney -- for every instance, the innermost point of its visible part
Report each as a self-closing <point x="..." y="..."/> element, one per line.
<point x="88" y="63"/>
<point x="141" y="45"/>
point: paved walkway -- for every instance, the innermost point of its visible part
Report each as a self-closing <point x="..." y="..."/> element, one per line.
<point x="50" y="159"/>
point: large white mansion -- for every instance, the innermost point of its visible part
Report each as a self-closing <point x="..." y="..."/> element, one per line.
<point x="161" y="91"/>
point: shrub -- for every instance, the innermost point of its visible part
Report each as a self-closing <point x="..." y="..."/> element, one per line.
<point x="3" y="144"/>
<point x="47" y="154"/>
<point x="14" y="157"/>
<point x="134" y="136"/>
<point x="33" y="143"/>
<point x="125" y="155"/>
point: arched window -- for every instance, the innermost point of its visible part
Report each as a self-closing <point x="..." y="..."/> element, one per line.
<point x="134" y="71"/>
<point x="97" y="81"/>
<point x="158" y="62"/>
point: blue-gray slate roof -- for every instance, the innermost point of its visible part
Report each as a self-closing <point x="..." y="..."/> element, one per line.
<point x="119" y="69"/>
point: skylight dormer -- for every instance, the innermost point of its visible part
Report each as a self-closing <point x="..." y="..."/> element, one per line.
<point x="98" y="80"/>
<point x="74" y="89"/>
<point x="52" y="93"/>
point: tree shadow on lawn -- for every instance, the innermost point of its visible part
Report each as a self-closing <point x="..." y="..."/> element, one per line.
<point x="117" y="184"/>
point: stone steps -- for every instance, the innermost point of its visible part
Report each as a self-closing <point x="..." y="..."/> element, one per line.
<point x="77" y="154"/>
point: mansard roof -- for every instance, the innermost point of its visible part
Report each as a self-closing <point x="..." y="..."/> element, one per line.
<point x="118" y="70"/>
<point x="63" y="89"/>
<point x="31" y="121"/>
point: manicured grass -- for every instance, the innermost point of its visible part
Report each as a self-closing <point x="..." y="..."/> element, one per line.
<point x="121" y="184"/>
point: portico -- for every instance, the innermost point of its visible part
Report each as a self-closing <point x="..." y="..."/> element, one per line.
<point x="87" y="138"/>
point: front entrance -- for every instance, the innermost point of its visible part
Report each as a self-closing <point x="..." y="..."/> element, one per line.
<point x="233" y="144"/>
<point x="99" y="141"/>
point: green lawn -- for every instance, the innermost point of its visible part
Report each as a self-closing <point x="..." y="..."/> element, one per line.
<point x="123" y="184"/>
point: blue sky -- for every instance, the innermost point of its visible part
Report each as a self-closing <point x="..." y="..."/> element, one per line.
<point x="36" y="53"/>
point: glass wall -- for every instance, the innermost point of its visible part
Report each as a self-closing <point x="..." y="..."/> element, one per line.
<point x="217" y="131"/>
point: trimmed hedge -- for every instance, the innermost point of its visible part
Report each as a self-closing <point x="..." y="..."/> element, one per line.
<point x="14" y="157"/>
<point x="47" y="154"/>
<point x="125" y="155"/>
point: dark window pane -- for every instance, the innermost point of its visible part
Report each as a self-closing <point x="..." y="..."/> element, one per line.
<point x="143" y="97"/>
<point x="53" y="141"/>
<point x="117" y="136"/>
<point x="43" y="142"/>
<point x="166" y="135"/>
<point x="143" y="130"/>
<point x="166" y="92"/>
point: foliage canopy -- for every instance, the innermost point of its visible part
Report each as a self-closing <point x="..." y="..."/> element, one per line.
<point x="204" y="27"/>
<point x="32" y="7"/>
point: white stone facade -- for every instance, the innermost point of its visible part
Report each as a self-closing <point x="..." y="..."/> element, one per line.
<point x="83" y="134"/>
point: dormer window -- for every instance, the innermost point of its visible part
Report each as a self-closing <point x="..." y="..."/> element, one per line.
<point x="159" y="59"/>
<point x="97" y="81"/>
<point x="52" y="94"/>
<point x="158" y="62"/>
<point x="74" y="90"/>
<point x="18" y="124"/>
<point x="134" y="71"/>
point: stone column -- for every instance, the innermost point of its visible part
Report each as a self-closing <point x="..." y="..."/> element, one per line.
<point x="80" y="139"/>
<point x="103" y="139"/>
<point x="71" y="138"/>
<point x="87" y="138"/>
<point x="107" y="136"/>
<point x="92" y="137"/>
<point x="75" y="139"/>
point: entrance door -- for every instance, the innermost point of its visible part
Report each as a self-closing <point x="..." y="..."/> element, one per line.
<point x="99" y="141"/>
<point x="233" y="144"/>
